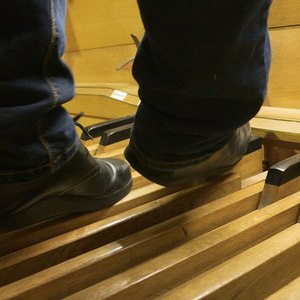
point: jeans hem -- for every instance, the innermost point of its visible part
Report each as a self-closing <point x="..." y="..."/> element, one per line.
<point x="17" y="176"/>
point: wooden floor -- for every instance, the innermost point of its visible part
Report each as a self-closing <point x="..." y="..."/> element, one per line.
<point x="236" y="236"/>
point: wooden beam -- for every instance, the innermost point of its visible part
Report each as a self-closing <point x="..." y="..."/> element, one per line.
<point x="254" y="274"/>
<point x="178" y="265"/>
<point x="284" y="13"/>
<point x="289" y="292"/>
<point x="91" y="267"/>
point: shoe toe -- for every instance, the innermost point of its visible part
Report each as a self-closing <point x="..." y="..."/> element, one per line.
<point x="116" y="171"/>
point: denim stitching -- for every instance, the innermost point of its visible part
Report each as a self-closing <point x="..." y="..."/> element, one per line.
<point x="50" y="82"/>
<point x="40" y="168"/>
<point x="45" y="144"/>
<point x="51" y="48"/>
<point x="55" y="93"/>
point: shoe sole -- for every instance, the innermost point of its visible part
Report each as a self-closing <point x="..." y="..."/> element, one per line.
<point x="56" y="207"/>
<point x="192" y="174"/>
<point x="164" y="177"/>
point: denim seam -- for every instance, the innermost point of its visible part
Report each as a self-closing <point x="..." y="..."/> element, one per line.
<point x="51" y="84"/>
<point x="51" y="48"/>
<point x="45" y="145"/>
<point x="40" y="167"/>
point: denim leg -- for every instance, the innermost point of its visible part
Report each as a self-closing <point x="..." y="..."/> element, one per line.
<point x="37" y="136"/>
<point x="202" y="68"/>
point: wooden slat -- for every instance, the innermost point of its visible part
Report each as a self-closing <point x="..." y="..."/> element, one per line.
<point x="288" y="131"/>
<point x="139" y="181"/>
<point x="15" y="240"/>
<point x="63" y="247"/>
<point x="254" y="179"/>
<point x="279" y="113"/>
<point x="254" y="274"/>
<point x="251" y="164"/>
<point x="115" y="146"/>
<point x="284" y="88"/>
<point x="150" y="278"/>
<point x="102" y="23"/>
<point x="91" y="267"/>
<point x="118" y="153"/>
<point x="289" y="292"/>
<point x="281" y="137"/>
<point x="284" y="13"/>
<point x="276" y="150"/>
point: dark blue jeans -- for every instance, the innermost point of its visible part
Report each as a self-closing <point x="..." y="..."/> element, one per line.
<point x="202" y="69"/>
<point x="37" y="136"/>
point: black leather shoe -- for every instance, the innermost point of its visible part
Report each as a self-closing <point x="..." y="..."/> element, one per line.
<point x="196" y="170"/>
<point x="82" y="185"/>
